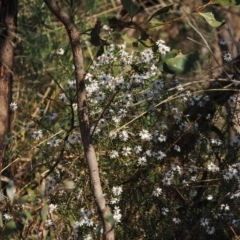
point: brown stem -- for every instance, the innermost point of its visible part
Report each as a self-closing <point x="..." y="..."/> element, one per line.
<point x="83" y="116"/>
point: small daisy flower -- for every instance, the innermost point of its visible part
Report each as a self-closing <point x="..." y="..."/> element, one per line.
<point x="142" y="161"/>
<point x="145" y="135"/>
<point x="157" y="192"/>
<point x="227" y="56"/>
<point x="223" y="41"/>
<point x="13" y="106"/>
<point x="117" y="190"/>
<point x="60" y="51"/>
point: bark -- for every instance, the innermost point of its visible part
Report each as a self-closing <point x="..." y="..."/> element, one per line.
<point x="8" y="20"/>
<point x="90" y="154"/>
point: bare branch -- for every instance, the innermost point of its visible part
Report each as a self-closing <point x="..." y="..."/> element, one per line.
<point x="74" y="38"/>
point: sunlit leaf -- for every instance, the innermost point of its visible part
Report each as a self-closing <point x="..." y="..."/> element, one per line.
<point x="69" y="184"/>
<point x="227" y="2"/>
<point x="43" y="188"/>
<point x="131" y="7"/>
<point x="180" y="64"/>
<point x="44" y="212"/>
<point x="209" y="17"/>
<point x="31" y="194"/>
<point x="161" y="11"/>
<point x="11" y="191"/>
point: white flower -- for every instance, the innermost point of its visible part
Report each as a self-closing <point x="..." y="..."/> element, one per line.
<point x="227" y="56"/>
<point x="176" y="220"/>
<point x="146" y="56"/>
<point x="160" y="155"/>
<point x="59" y="51"/>
<point x="225" y="207"/>
<point x="106" y="27"/>
<point x="223" y="41"/>
<point x="209" y="197"/>
<point x="37" y="134"/>
<point x="52" y="207"/>
<point x="212" y="167"/>
<point x="165" y="211"/>
<point x="54" y="142"/>
<point x="126" y="151"/>
<point x="148" y="153"/>
<point x="180" y="88"/>
<point x="157" y="192"/>
<point x="142" y="161"/>
<point x="138" y="149"/>
<point x="7" y="216"/>
<point x="113" y="154"/>
<point x="210" y="230"/>
<point x="162" y="48"/>
<point x="145" y="135"/>
<point x="112" y="135"/>
<point x="116" y="214"/>
<point x="79" y="196"/>
<point x="204" y="222"/>
<point x="63" y="97"/>
<point x="88" y="237"/>
<point x="117" y="190"/>
<point x="177" y="148"/>
<point x="216" y="142"/>
<point x="232" y="100"/>
<point x="115" y="200"/>
<point x="48" y="223"/>
<point x="71" y="84"/>
<point x="124" y="135"/>
<point x="13" y="106"/>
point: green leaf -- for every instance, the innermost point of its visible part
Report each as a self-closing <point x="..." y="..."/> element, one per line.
<point x="44" y="212"/>
<point x="227" y="2"/>
<point x="173" y="53"/>
<point x="209" y="17"/>
<point x="24" y="199"/>
<point x="11" y="191"/>
<point x="131" y="7"/>
<point x="12" y="227"/>
<point x="161" y="11"/>
<point x="108" y="217"/>
<point x="31" y="194"/>
<point x="69" y="184"/>
<point x="180" y="64"/>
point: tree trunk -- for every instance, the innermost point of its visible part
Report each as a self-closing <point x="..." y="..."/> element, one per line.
<point x="83" y="116"/>
<point x="8" y="20"/>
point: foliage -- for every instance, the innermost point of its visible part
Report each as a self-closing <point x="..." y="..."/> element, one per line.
<point x="168" y="149"/>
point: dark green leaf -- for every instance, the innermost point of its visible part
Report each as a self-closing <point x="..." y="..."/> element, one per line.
<point x="12" y="227"/>
<point x="24" y="199"/>
<point x="131" y="7"/>
<point x="108" y="217"/>
<point x="180" y="64"/>
<point x="135" y="44"/>
<point x="209" y="17"/>
<point x="144" y="35"/>
<point x="116" y="24"/>
<point x="161" y="11"/>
